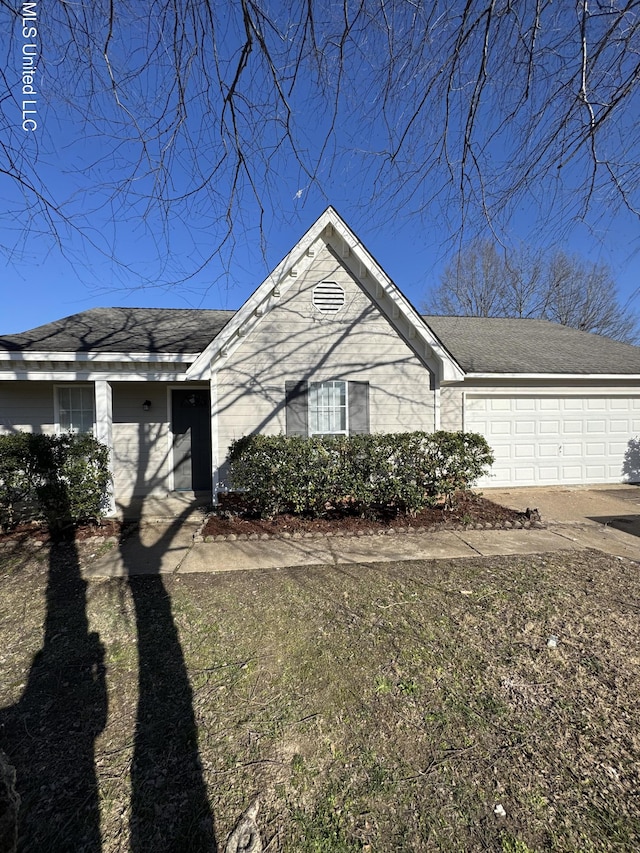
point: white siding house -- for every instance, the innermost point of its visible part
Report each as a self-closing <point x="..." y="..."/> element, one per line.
<point x="326" y="344"/>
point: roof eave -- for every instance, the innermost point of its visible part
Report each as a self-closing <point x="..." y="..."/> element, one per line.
<point x="92" y="356"/>
<point x="556" y="376"/>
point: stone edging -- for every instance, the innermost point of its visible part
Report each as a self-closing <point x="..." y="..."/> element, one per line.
<point x="359" y="534"/>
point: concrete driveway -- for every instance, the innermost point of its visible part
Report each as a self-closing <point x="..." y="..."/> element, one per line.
<point x="603" y="517"/>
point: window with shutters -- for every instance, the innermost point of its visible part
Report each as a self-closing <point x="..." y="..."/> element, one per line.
<point x="328" y="408"/>
<point x="334" y="407"/>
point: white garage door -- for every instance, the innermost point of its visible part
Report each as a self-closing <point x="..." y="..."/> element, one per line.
<point x="546" y="440"/>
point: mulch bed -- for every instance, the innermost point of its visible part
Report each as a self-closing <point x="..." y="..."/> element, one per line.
<point x="38" y="532"/>
<point x="232" y="517"/>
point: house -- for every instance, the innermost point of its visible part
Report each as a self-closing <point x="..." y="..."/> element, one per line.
<point x="326" y="344"/>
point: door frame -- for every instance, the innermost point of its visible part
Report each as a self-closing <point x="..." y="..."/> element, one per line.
<point x="184" y="386"/>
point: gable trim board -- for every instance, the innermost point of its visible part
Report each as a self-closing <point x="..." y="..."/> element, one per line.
<point x="563" y="377"/>
<point x="383" y="293"/>
<point x="91" y="357"/>
<point x="418" y="372"/>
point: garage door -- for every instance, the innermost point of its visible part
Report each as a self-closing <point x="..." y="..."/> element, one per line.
<point x="546" y="440"/>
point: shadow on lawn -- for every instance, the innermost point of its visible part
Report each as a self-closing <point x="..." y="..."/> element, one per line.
<point x="49" y="734"/>
<point x="169" y="806"/>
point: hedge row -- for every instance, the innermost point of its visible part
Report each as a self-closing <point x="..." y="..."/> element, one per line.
<point x="60" y="479"/>
<point x="405" y="472"/>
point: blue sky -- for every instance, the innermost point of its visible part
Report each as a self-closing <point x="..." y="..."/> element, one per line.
<point x="42" y="284"/>
<point x="116" y="249"/>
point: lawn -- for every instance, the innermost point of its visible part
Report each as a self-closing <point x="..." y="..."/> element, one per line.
<point x="405" y="707"/>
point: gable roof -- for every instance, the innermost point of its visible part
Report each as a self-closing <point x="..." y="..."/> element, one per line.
<point x="389" y="300"/>
<point x="504" y="345"/>
<point x="139" y="330"/>
<point x="454" y="346"/>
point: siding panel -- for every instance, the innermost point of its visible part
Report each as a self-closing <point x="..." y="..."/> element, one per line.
<point x="26" y="407"/>
<point x="295" y="341"/>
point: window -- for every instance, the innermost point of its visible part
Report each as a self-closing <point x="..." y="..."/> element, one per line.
<point x="328" y="408"/>
<point x="335" y="407"/>
<point x="76" y="409"/>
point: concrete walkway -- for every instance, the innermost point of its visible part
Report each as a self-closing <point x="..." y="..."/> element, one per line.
<point x="576" y="519"/>
<point x="238" y="555"/>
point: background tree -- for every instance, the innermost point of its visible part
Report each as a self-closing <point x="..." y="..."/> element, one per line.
<point x="200" y="118"/>
<point x="486" y="281"/>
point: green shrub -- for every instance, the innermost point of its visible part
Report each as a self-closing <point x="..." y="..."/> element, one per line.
<point x="59" y="479"/>
<point x="18" y="497"/>
<point x="404" y="472"/>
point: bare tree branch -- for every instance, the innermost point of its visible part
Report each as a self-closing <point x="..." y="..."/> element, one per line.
<point x="206" y="112"/>
<point x="486" y="281"/>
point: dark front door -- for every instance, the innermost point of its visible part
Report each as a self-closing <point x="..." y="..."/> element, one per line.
<point x="191" y="429"/>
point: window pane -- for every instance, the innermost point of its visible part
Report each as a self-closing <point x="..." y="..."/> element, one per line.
<point x="65" y="406"/>
<point x="328" y="407"/>
<point x="76" y="409"/>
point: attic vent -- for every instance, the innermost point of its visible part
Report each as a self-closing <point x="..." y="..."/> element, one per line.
<point x="328" y="297"/>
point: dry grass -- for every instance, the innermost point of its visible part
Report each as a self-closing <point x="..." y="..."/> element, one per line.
<point x="386" y="707"/>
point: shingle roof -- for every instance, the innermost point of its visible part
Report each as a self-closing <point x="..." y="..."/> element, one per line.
<point x="478" y="344"/>
<point x="156" y="330"/>
<point x="502" y="345"/>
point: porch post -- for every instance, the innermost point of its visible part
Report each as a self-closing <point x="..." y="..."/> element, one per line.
<point x="104" y="429"/>
<point x="215" y="449"/>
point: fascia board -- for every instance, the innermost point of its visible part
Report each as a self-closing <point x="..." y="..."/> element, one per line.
<point x="91" y="375"/>
<point x="628" y="377"/>
<point x="260" y="302"/>
<point x="135" y="357"/>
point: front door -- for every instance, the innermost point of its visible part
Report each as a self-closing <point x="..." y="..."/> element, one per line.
<point x="191" y="429"/>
